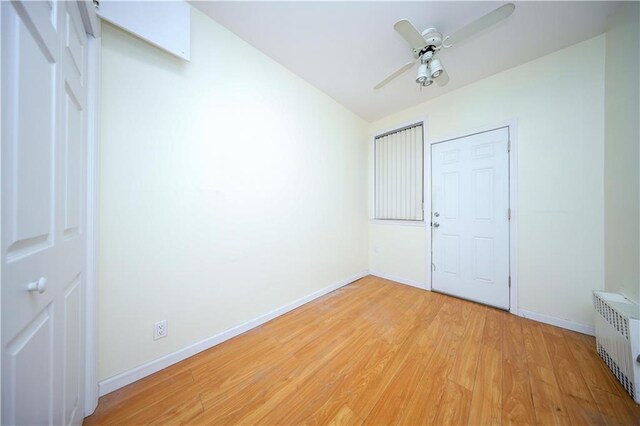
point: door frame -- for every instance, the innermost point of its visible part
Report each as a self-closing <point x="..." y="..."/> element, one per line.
<point x="94" y="46"/>
<point x="512" y="126"/>
<point x="92" y="26"/>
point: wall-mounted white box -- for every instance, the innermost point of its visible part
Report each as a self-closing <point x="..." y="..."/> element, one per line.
<point x="165" y="24"/>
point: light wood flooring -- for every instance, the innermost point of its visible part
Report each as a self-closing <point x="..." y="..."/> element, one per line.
<point x="378" y="352"/>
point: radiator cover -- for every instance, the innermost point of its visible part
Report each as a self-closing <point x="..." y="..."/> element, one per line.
<point x="617" y="323"/>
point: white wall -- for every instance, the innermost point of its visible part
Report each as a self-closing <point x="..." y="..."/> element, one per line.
<point x="558" y="103"/>
<point x="228" y="187"/>
<point x="398" y="252"/>
<point x="622" y="152"/>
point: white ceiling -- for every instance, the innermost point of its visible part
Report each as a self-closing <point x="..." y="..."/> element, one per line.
<point x="345" y="48"/>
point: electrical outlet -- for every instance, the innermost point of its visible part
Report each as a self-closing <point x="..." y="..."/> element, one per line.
<point x="160" y="330"/>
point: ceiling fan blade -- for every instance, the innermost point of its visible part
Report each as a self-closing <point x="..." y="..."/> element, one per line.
<point x="480" y="24"/>
<point x="402" y="69"/>
<point x="442" y="79"/>
<point x="409" y="33"/>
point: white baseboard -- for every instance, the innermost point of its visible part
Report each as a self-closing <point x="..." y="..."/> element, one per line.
<point x="406" y="281"/>
<point x="558" y="322"/>
<point x="116" y="382"/>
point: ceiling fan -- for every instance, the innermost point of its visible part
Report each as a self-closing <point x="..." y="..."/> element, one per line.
<point x="427" y="43"/>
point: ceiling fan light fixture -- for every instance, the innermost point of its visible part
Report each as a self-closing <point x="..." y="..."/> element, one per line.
<point x="436" y="68"/>
<point x="423" y="74"/>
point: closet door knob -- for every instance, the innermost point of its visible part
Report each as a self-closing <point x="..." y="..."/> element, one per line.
<point x="40" y="286"/>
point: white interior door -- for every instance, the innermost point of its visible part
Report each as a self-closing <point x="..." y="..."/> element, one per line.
<point x="470" y="217"/>
<point x="44" y="65"/>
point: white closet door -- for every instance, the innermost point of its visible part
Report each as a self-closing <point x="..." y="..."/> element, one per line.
<point x="44" y="65"/>
<point x="470" y="221"/>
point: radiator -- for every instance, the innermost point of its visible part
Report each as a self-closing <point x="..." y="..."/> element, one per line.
<point x="617" y="322"/>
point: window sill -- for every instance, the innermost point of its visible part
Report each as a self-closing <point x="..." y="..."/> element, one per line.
<point x="414" y="223"/>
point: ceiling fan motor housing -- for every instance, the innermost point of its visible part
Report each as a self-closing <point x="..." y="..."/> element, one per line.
<point x="425" y="53"/>
<point x="433" y="38"/>
<point x="433" y="43"/>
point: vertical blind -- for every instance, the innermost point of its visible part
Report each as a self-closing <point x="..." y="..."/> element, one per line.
<point x="399" y="174"/>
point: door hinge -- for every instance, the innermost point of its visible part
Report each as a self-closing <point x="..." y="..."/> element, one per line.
<point x="423" y="206"/>
<point x="509" y="281"/>
<point x="509" y="145"/>
<point x="509" y="213"/>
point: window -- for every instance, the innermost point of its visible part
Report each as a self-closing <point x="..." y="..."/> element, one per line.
<point x="398" y="174"/>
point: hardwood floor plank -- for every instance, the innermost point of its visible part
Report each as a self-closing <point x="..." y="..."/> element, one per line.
<point x="358" y="392"/>
<point x="255" y="399"/>
<point x="183" y="413"/>
<point x="514" y="344"/>
<point x="425" y="401"/>
<point x="463" y="371"/>
<point x="258" y="400"/>
<point x="115" y="400"/>
<point x="345" y="417"/>
<point x="486" y="403"/>
<point x="146" y="402"/>
<point x="582" y="412"/>
<point x="545" y="391"/>
<point x="379" y="352"/>
<point x="493" y="328"/>
<point x="379" y="379"/>
<point x="593" y="370"/>
<point x="551" y="329"/>
<point x="219" y="376"/>
<point x="565" y="367"/>
<point x="538" y="360"/>
<point x="535" y="352"/>
<point x="456" y="313"/>
<point x="548" y="403"/>
<point x="455" y="404"/>
<point x="384" y="346"/>
<point x="351" y="304"/>
<point x="312" y="393"/>
<point x="615" y="409"/>
<point x="517" y="402"/>
<point x="397" y="393"/>
<point x="226" y="400"/>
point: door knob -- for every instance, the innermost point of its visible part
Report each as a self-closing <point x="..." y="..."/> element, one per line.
<point x="40" y="286"/>
<point x="436" y="224"/>
<point x="436" y="214"/>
